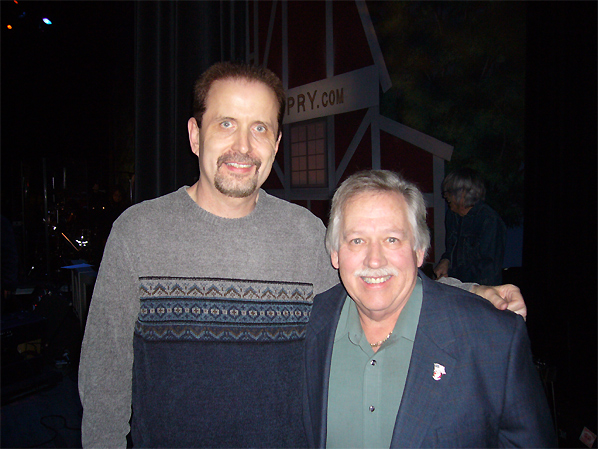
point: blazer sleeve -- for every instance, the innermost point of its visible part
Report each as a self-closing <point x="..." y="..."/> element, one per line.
<point x="526" y="420"/>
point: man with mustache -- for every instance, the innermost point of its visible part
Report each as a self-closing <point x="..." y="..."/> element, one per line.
<point x="196" y="326"/>
<point x="407" y="361"/>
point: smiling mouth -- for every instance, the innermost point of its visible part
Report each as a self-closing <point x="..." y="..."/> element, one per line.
<point x="238" y="165"/>
<point x="375" y="280"/>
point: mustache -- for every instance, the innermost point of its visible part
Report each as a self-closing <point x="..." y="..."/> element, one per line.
<point x="376" y="272"/>
<point x="238" y="158"/>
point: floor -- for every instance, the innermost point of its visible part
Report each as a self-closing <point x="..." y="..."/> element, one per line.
<point x="49" y="415"/>
<point x="41" y="340"/>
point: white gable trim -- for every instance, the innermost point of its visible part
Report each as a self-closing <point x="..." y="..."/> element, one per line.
<point x="370" y="34"/>
<point x="417" y="138"/>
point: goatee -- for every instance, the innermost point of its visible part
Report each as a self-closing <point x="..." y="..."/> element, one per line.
<point x="233" y="185"/>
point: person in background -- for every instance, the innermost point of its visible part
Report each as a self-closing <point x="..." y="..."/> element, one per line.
<point x="395" y="360"/>
<point x="475" y="233"/>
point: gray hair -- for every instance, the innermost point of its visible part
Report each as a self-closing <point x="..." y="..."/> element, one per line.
<point x="467" y="183"/>
<point x="379" y="181"/>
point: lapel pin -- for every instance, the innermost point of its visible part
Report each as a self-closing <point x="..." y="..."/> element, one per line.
<point x="438" y="371"/>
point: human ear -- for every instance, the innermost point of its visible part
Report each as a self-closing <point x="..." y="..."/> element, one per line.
<point x="193" y="129"/>
<point x="334" y="259"/>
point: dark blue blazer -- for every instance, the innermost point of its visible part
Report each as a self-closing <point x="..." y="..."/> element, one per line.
<point x="490" y="396"/>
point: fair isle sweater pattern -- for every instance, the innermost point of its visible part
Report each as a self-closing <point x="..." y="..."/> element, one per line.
<point x="222" y="310"/>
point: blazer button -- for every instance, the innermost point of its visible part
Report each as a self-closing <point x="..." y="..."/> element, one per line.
<point x="373" y="363"/>
<point x="372" y="408"/>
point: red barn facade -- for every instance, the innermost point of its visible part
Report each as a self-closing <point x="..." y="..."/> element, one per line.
<point x="328" y="57"/>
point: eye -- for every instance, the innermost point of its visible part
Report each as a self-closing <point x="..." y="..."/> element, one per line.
<point x="260" y="128"/>
<point x="356" y="241"/>
<point x="226" y="124"/>
<point x="393" y="240"/>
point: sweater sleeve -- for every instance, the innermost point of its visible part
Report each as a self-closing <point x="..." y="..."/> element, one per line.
<point x="105" y="369"/>
<point x="457" y="283"/>
<point x="326" y="276"/>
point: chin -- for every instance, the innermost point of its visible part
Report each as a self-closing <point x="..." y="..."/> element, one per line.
<point x="235" y="189"/>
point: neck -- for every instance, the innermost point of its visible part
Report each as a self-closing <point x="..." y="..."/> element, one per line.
<point x="222" y="205"/>
<point x="376" y="331"/>
<point x="464" y="210"/>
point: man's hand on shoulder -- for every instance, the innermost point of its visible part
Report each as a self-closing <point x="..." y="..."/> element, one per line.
<point x="503" y="297"/>
<point x="441" y="269"/>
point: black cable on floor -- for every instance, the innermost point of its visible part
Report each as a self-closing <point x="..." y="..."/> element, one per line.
<point x="55" y="430"/>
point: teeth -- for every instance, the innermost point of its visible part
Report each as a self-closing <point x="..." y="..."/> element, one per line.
<point x="237" y="165"/>
<point x="376" y="280"/>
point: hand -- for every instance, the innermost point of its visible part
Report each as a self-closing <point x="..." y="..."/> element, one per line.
<point x="441" y="269"/>
<point x="503" y="297"/>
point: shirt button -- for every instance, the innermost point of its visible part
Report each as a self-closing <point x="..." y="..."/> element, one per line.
<point x="373" y="363"/>
<point x="372" y="408"/>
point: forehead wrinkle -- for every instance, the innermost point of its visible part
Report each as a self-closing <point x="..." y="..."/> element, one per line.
<point x="236" y="99"/>
<point x="403" y="234"/>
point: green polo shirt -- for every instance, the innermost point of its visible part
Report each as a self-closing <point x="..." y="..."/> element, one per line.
<point x="365" y="387"/>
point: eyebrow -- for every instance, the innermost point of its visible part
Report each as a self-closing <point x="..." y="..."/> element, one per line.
<point x="232" y="119"/>
<point x="223" y="118"/>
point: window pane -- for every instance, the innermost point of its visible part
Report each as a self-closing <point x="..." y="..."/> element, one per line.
<point x="320" y="147"/>
<point x="301" y="132"/>
<point x="320" y="162"/>
<point x="302" y="163"/>
<point x="320" y="130"/>
<point x="313" y="179"/>
<point x="298" y="149"/>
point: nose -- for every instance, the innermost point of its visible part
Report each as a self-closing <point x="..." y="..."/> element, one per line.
<point x="242" y="141"/>
<point x="375" y="257"/>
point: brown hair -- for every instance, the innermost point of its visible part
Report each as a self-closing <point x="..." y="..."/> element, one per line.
<point x="236" y="70"/>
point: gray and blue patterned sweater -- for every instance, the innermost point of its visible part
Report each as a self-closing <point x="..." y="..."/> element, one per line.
<point x="196" y="325"/>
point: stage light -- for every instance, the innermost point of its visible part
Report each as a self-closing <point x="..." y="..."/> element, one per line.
<point x="47" y="21"/>
<point x="9" y="27"/>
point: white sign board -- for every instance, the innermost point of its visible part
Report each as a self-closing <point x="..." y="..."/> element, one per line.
<point x="342" y="93"/>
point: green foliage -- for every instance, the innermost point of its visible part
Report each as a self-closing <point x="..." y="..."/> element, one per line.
<point x="458" y="74"/>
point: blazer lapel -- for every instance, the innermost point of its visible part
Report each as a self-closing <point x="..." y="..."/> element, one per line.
<point x="423" y="393"/>
<point x="318" y="356"/>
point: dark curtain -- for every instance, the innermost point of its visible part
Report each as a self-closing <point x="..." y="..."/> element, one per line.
<point x="174" y="42"/>
<point x="560" y="251"/>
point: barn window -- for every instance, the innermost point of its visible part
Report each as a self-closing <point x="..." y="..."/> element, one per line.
<point x="308" y="154"/>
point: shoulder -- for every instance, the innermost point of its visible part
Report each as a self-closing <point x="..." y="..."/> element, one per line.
<point x="467" y="312"/>
<point x="486" y="212"/>
<point x="280" y="211"/>
<point x="326" y="305"/>
<point x="150" y="211"/>
<point x="275" y="205"/>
